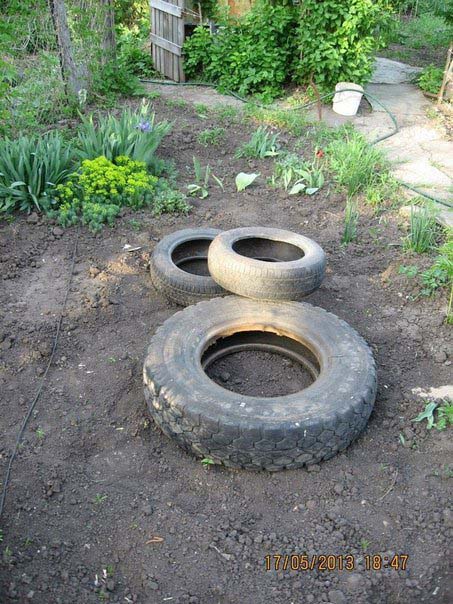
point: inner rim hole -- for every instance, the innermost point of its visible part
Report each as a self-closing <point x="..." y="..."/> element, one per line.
<point x="192" y="256"/>
<point x="267" y="250"/>
<point x="259" y="363"/>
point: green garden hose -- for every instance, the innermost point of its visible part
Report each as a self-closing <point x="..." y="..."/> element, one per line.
<point x="310" y="104"/>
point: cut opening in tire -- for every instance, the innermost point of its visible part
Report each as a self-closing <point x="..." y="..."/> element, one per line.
<point x="260" y="363"/>
<point x="267" y="250"/>
<point x="192" y="256"/>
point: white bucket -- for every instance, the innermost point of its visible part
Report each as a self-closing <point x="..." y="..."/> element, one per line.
<point x="346" y="102"/>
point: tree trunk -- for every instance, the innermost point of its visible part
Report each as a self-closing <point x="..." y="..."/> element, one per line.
<point x="69" y="71"/>
<point x="108" y="31"/>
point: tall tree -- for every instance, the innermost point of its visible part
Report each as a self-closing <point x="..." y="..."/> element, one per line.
<point x="72" y="76"/>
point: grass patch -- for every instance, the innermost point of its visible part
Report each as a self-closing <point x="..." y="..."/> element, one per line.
<point x="354" y="162"/>
<point x="293" y="121"/>
<point x="422" y="230"/>
<point x="211" y="136"/>
<point x="422" y="31"/>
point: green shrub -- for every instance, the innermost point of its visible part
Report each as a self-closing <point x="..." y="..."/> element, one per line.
<point x="134" y="54"/>
<point x="430" y="79"/>
<point x="354" y="162"/>
<point x="96" y="192"/>
<point x="276" y="42"/>
<point x="114" y="79"/>
<point x="134" y="134"/>
<point x="30" y="167"/>
<point x="251" y="55"/>
<point x="336" y="40"/>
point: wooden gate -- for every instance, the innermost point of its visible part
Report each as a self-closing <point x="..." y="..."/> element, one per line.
<point x="167" y="37"/>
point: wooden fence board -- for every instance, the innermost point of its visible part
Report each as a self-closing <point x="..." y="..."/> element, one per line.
<point x="167" y="37"/>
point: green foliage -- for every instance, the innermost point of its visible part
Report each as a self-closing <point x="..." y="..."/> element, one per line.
<point x="169" y="200"/>
<point x="336" y="40"/>
<point x="114" y="79"/>
<point x="439" y="275"/>
<point x="251" y="55"/>
<point x="430" y="79"/>
<point x="351" y="220"/>
<point x="96" y="193"/>
<point x="244" y="180"/>
<point x="225" y="114"/>
<point x="422" y="231"/>
<point x="134" y="54"/>
<point x="382" y="191"/>
<point x="129" y="12"/>
<point x="285" y="119"/>
<point x="211" y="136"/>
<point x="200" y="187"/>
<point x="29" y="169"/>
<point x="297" y="175"/>
<point x="354" y="162"/>
<point x="443" y="265"/>
<point x="262" y="144"/>
<point x="33" y="94"/>
<point x="439" y="416"/>
<point x="425" y="30"/>
<point x="135" y="134"/>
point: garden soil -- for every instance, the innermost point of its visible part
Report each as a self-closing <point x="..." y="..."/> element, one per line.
<point x="102" y="507"/>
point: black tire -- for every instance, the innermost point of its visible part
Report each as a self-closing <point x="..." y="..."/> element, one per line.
<point x="171" y="253"/>
<point x="266" y="263"/>
<point x="258" y="432"/>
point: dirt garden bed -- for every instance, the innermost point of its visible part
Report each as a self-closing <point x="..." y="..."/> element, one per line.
<point x="103" y="507"/>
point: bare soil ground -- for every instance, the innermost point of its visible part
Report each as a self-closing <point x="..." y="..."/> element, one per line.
<point x="103" y="507"/>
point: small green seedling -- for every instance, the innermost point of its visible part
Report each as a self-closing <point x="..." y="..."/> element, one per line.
<point x="207" y="461"/>
<point x="410" y="271"/>
<point x="40" y="433"/>
<point x="244" y="180"/>
<point x="202" y="176"/>
<point x="438" y="416"/>
<point x="99" y="498"/>
<point x="365" y="544"/>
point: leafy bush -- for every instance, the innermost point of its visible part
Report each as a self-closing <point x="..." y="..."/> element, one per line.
<point x="430" y="79"/>
<point x="276" y="42"/>
<point x="30" y="167"/>
<point x="114" y="79"/>
<point x="250" y="56"/>
<point x="96" y="192"/>
<point x="336" y="40"/>
<point x="134" y="134"/>
<point x="134" y="54"/>
<point x="354" y="162"/>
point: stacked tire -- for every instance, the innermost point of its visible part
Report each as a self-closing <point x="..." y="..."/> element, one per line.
<point x="270" y="271"/>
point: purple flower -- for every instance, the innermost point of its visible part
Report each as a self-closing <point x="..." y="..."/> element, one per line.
<point x="144" y="126"/>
